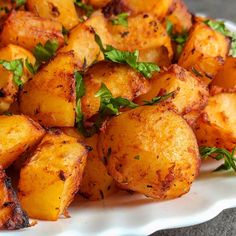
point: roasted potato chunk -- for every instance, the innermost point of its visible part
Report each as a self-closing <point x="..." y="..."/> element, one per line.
<point x="216" y="127"/>
<point x="151" y="150"/>
<point x="51" y="178"/>
<point x="204" y="52"/>
<point x="121" y="80"/>
<point x="81" y="39"/>
<point x="50" y="96"/>
<point x="144" y="32"/>
<point x="17" y="135"/>
<point x="73" y="132"/>
<point x="98" y="3"/>
<point x="226" y="77"/>
<point x="96" y="183"/>
<point x="11" y="214"/>
<point x="190" y="92"/>
<point x="18" y="30"/>
<point x="62" y="11"/>
<point x="8" y="88"/>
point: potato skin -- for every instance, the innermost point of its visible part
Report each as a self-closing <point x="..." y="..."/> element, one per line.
<point x="151" y="150"/>
<point x="216" y="127"/>
<point x="12" y="216"/>
<point x="8" y="88"/>
<point x="226" y="77"/>
<point x="18" y="134"/>
<point x="18" y="30"/>
<point x="51" y="93"/>
<point x="51" y="178"/>
<point x="96" y="183"/>
<point x="191" y="93"/>
<point x="205" y="51"/>
<point x="121" y="80"/>
<point x="62" y="11"/>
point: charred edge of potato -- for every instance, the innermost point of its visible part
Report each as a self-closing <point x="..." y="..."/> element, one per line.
<point x="115" y="7"/>
<point x="18" y="218"/>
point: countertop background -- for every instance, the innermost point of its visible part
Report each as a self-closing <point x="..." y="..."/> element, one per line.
<point x="225" y="223"/>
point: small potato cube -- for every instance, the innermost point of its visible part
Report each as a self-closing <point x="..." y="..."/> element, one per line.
<point x="204" y="52"/>
<point x="216" y="127"/>
<point x="226" y="77"/>
<point x="96" y="183"/>
<point x="150" y="150"/>
<point x="62" y="11"/>
<point x="121" y="80"/>
<point x="50" y="96"/>
<point x="27" y="30"/>
<point x="8" y="88"/>
<point x="17" y="135"/>
<point x="190" y="92"/>
<point x="51" y="178"/>
<point x="11" y="214"/>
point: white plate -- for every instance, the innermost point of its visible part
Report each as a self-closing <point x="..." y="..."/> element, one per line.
<point x="126" y="214"/>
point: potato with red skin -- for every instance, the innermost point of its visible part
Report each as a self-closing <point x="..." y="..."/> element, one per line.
<point x="151" y="150"/>
<point x="120" y="79"/>
<point x="216" y="127"/>
<point x="190" y="93"/>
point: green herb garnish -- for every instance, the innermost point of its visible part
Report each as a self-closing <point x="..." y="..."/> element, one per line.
<point x="125" y="57"/>
<point x="159" y="99"/>
<point x="32" y="68"/>
<point x="88" y="9"/>
<point x="16" y="67"/>
<point x="121" y="19"/>
<point x="220" y="154"/>
<point x="220" y="27"/>
<point x="20" y="3"/>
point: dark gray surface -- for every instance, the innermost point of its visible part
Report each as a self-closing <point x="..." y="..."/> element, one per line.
<point x="225" y="223"/>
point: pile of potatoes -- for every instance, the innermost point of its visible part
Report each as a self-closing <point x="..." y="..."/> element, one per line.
<point x="152" y="149"/>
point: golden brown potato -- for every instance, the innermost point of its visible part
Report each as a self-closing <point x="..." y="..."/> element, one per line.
<point x="62" y="11"/>
<point x="205" y="51"/>
<point x="81" y="39"/>
<point x="180" y="17"/>
<point x="8" y="88"/>
<point x="50" y="96"/>
<point x="27" y="30"/>
<point x="73" y="132"/>
<point x="121" y="80"/>
<point x="216" y="127"/>
<point x="226" y="77"/>
<point x="11" y="214"/>
<point x="96" y="183"/>
<point x="190" y="92"/>
<point x="17" y="135"/>
<point x="98" y="3"/>
<point x="151" y="150"/>
<point x="144" y="32"/>
<point x="51" y="178"/>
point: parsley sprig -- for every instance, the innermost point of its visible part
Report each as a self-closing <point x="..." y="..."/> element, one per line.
<point x="125" y="57"/>
<point x="16" y="67"/>
<point x="20" y="3"/>
<point x="121" y="19"/>
<point x="220" y="154"/>
<point x="220" y="27"/>
<point x="159" y="99"/>
<point x="88" y="9"/>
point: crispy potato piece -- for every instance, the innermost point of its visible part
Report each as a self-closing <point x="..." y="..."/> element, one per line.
<point x="8" y="88"/>
<point x="205" y="51"/>
<point x="216" y="127"/>
<point x="81" y="39"/>
<point x="73" y="132"/>
<point x="62" y="11"/>
<point x="11" y="214"/>
<point x="27" y="30"/>
<point x="144" y="32"/>
<point x="98" y="3"/>
<point x="226" y="77"/>
<point x="51" y="178"/>
<point x="96" y="183"/>
<point x="159" y="8"/>
<point x="180" y="17"/>
<point x="191" y="92"/>
<point x="121" y="80"/>
<point x="17" y="135"/>
<point x="50" y="96"/>
<point x="151" y="150"/>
